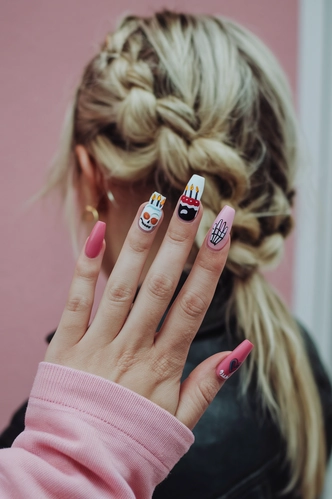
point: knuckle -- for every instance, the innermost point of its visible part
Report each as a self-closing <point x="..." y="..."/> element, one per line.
<point x="119" y="293"/>
<point x="193" y="304"/>
<point x="86" y="272"/>
<point x="206" y="392"/>
<point x="177" y="235"/>
<point x="166" y="367"/>
<point x="79" y="303"/>
<point x="210" y="265"/>
<point x="125" y="361"/>
<point x="160" y="286"/>
<point x="139" y="245"/>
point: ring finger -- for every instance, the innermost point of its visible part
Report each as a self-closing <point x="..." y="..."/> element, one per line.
<point x="190" y="306"/>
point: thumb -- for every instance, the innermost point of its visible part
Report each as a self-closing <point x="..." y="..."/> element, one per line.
<point x="204" y="382"/>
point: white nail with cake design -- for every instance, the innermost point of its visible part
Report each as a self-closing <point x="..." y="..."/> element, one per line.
<point x="190" y="199"/>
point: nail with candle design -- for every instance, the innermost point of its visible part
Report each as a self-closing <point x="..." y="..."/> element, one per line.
<point x="220" y="231"/>
<point x="234" y="360"/>
<point x="151" y="213"/>
<point x="190" y="199"/>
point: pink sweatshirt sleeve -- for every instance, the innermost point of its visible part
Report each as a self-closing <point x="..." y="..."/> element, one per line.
<point x="87" y="437"/>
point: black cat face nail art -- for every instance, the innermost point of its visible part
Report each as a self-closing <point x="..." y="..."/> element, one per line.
<point x="190" y="199"/>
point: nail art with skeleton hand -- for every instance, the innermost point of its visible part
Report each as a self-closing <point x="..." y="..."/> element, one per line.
<point x="220" y="231"/>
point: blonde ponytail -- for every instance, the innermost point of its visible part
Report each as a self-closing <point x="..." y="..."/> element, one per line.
<point x="284" y="379"/>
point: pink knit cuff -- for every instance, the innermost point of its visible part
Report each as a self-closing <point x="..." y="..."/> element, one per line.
<point x="164" y="436"/>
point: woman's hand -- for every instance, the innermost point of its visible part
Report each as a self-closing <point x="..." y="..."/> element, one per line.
<point x="121" y="343"/>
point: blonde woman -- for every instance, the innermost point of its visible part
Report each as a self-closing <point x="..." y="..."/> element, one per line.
<point x="169" y="97"/>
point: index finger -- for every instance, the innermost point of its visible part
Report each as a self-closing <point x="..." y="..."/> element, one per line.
<point x="123" y="282"/>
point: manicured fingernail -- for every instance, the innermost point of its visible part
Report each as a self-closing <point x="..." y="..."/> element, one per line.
<point x="234" y="360"/>
<point x="190" y="199"/>
<point x="221" y="228"/>
<point x="151" y="213"/>
<point x="95" y="242"/>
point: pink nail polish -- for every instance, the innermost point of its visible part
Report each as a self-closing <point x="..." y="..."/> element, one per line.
<point x="95" y="242"/>
<point x="221" y="228"/>
<point x="234" y="360"/>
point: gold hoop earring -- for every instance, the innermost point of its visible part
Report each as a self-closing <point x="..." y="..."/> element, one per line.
<point x="90" y="214"/>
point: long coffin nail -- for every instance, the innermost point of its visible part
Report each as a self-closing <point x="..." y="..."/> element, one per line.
<point x="220" y="231"/>
<point x="234" y="360"/>
<point x="151" y="213"/>
<point x="190" y="199"/>
<point x="94" y="243"/>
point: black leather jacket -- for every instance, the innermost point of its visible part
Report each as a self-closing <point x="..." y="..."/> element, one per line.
<point x="238" y="453"/>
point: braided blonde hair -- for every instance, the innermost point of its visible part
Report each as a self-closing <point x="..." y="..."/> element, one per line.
<point x="174" y="95"/>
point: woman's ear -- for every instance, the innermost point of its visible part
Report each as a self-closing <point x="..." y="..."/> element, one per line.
<point x="90" y="180"/>
<point x="92" y="190"/>
<point x="86" y="165"/>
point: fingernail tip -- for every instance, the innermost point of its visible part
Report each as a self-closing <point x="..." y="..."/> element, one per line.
<point x="229" y="210"/>
<point x="197" y="178"/>
<point x="245" y="346"/>
<point x="248" y="343"/>
<point x="100" y="224"/>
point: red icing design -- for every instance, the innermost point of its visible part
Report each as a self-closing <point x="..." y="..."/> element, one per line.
<point x="189" y="201"/>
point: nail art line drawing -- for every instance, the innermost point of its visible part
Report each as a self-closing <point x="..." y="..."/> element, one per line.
<point x="233" y="361"/>
<point x="218" y="232"/>
<point x="151" y="213"/>
<point x="190" y="199"/>
<point x="233" y="366"/>
<point x="221" y="227"/>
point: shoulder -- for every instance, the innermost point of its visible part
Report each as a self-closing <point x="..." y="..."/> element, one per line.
<point x="323" y="383"/>
<point x="319" y="371"/>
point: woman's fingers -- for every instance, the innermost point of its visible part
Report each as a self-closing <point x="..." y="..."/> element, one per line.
<point x="189" y="308"/>
<point x="122" y="285"/>
<point x="164" y="274"/>
<point x="76" y="316"/>
<point x="202" y="385"/>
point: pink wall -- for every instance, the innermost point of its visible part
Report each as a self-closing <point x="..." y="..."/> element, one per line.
<point x="44" y="46"/>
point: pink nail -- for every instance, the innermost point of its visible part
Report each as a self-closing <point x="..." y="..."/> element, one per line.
<point x="234" y="360"/>
<point x="221" y="228"/>
<point x="95" y="242"/>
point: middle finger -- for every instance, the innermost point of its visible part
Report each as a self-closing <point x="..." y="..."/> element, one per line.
<point x="164" y="274"/>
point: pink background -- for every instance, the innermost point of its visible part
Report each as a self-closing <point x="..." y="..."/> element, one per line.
<point x="44" y="46"/>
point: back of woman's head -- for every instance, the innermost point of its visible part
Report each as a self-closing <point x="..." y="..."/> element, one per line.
<point x="173" y="95"/>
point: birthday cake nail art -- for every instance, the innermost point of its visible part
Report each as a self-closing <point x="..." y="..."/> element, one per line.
<point x="151" y="213"/>
<point x="190" y="199"/>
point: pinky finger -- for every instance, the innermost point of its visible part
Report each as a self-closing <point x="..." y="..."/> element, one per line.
<point x="204" y="382"/>
<point x="76" y="315"/>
